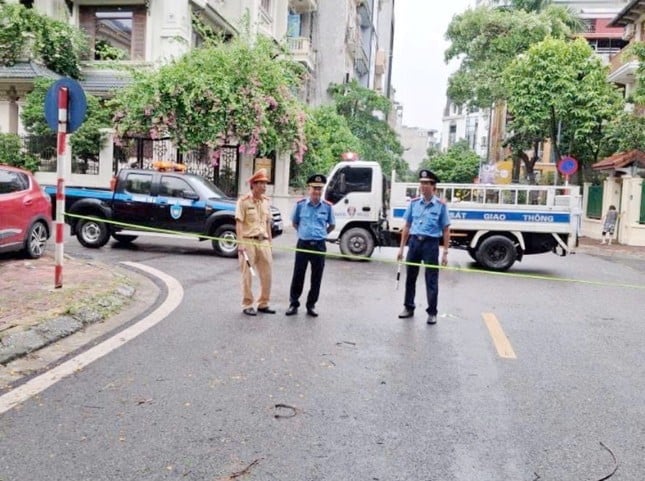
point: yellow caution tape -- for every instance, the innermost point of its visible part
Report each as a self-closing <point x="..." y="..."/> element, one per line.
<point x="366" y="258"/>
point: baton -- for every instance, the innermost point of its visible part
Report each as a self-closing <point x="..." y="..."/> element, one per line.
<point x="398" y="275"/>
<point x="248" y="263"/>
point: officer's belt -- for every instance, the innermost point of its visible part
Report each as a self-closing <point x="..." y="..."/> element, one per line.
<point x="311" y="242"/>
<point x="422" y="238"/>
<point x="260" y="237"/>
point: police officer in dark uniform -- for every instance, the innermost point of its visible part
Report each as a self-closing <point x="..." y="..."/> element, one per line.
<point x="313" y="218"/>
<point x="426" y="222"/>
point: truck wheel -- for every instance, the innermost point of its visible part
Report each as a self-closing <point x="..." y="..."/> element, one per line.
<point x="92" y="233"/>
<point x="124" y="239"/>
<point x="497" y="253"/>
<point x="226" y="243"/>
<point x="36" y="240"/>
<point x="357" y="242"/>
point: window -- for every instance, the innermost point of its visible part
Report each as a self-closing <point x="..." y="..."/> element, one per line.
<point x="471" y="132"/>
<point x="113" y="32"/>
<point x="116" y="33"/>
<point x="138" y="183"/>
<point x="641" y="219"/>
<point x="594" y="202"/>
<point x="349" y="179"/>
<point x="12" y="182"/>
<point x="173" y="186"/>
<point x="452" y="135"/>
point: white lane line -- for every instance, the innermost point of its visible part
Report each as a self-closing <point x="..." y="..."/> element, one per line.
<point x="49" y="378"/>
<point x="502" y="344"/>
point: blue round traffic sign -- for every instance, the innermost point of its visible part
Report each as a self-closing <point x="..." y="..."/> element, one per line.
<point x="76" y="104"/>
<point x="567" y="165"/>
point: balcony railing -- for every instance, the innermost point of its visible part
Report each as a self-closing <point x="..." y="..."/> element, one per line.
<point x="300" y="48"/>
<point x="622" y="67"/>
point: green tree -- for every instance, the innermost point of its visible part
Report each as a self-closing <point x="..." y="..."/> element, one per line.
<point x="560" y="86"/>
<point x="328" y="136"/>
<point x="625" y="132"/>
<point x="86" y="142"/>
<point x="13" y="153"/>
<point x="637" y="51"/>
<point x="530" y="5"/>
<point x="458" y="164"/>
<point x="226" y="92"/>
<point x="24" y="30"/>
<point x="486" y="40"/>
<point x="364" y="109"/>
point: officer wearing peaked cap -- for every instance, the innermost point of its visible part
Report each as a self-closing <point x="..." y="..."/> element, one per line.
<point x="253" y="229"/>
<point x="313" y="218"/>
<point x="426" y="223"/>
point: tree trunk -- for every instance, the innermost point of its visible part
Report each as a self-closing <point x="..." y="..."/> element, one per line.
<point x="554" y="135"/>
<point x="517" y="163"/>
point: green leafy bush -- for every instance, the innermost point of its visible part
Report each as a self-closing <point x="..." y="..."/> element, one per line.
<point x="13" y="153"/>
<point x="25" y="32"/>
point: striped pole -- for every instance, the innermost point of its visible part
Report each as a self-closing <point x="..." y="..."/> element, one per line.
<point x="60" y="185"/>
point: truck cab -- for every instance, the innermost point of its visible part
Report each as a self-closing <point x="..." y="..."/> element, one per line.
<point x="356" y="190"/>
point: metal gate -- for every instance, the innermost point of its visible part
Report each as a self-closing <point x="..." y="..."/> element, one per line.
<point x="141" y="152"/>
<point x="227" y="170"/>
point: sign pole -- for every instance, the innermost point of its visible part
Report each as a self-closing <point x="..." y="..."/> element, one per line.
<point x="61" y="144"/>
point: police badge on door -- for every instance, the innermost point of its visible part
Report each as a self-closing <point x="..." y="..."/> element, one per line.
<point x="175" y="211"/>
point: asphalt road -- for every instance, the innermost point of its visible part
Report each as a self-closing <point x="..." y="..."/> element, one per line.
<point x="366" y="396"/>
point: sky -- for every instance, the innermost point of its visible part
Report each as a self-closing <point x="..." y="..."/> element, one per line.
<point x="419" y="73"/>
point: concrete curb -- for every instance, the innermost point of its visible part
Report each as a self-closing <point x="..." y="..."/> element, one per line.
<point x="122" y="304"/>
<point x="19" y="344"/>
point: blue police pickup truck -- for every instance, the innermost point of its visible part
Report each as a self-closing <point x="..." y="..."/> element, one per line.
<point x="151" y="201"/>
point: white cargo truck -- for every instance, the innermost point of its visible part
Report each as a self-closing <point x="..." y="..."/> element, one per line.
<point x="496" y="224"/>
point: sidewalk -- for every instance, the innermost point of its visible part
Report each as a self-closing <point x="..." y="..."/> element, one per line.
<point x="33" y="314"/>
<point x="594" y="247"/>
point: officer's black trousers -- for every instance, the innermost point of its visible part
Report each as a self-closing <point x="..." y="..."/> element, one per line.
<point x="426" y="250"/>
<point x="317" y="262"/>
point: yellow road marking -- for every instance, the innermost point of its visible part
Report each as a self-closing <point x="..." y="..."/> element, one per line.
<point x="502" y="344"/>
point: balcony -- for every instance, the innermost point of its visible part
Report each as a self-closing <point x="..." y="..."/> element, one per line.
<point x="622" y="68"/>
<point x="300" y="48"/>
<point x="303" y="6"/>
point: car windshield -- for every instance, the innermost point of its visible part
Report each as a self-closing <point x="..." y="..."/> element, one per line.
<point x="208" y="189"/>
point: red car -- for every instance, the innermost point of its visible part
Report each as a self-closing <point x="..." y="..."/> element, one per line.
<point x="25" y="213"/>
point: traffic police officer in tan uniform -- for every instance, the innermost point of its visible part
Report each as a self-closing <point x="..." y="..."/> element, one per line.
<point x="427" y="222"/>
<point x="313" y="218"/>
<point x="253" y="229"/>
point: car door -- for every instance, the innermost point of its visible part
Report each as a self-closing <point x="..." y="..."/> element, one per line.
<point x="13" y="201"/>
<point x="176" y="212"/>
<point x="133" y="202"/>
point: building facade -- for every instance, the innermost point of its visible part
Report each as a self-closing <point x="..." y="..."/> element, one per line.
<point x="416" y="141"/>
<point x="336" y="40"/>
<point x="631" y="19"/>
<point x="461" y="123"/>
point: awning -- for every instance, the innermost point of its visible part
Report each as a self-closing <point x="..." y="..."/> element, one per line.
<point x="104" y="82"/>
<point x="629" y="14"/>
<point x="26" y="71"/>
<point x="622" y="160"/>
